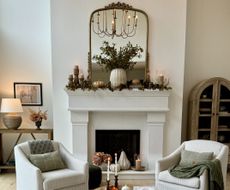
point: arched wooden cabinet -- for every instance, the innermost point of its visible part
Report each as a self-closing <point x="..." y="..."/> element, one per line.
<point x="209" y="110"/>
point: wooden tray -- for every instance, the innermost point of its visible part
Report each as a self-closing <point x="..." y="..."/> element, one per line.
<point x="141" y="169"/>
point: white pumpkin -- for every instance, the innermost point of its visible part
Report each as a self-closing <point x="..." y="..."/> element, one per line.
<point x="113" y="166"/>
<point x="123" y="161"/>
<point x="125" y="187"/>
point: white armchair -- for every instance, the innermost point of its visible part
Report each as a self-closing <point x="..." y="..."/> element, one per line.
<point x="29" y="177"/>
<point x="165" y="181"/>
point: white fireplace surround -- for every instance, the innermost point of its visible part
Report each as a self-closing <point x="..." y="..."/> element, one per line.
<point x="152" y="107"/>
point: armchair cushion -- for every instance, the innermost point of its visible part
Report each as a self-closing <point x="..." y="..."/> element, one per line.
<point x="191" y="157"/>
<point x="48" y="161"/>
<point x="62" y="178"/>
<point x="193" y="182"/>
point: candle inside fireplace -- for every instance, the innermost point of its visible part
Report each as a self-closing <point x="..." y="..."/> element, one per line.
<point x="138" y="164"/>
<point x="108" y="169"/>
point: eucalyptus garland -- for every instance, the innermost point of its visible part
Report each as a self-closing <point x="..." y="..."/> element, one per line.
<point x="87" y="85"/>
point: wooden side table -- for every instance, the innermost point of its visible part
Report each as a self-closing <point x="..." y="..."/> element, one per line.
<point x="20" y="132"/>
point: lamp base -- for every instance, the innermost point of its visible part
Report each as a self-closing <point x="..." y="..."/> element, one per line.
<point x="12" y="121"/>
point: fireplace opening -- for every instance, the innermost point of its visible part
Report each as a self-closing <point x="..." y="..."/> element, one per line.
<point x="115" y="141"/>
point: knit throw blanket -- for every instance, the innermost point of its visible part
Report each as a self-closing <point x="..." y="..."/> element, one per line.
<point x="214" y="171"/>
<point x="40" y="146"/>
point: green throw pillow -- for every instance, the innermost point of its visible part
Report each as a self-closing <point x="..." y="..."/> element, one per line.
<point x="190" y="157"/>
<point x="48" y="161"/>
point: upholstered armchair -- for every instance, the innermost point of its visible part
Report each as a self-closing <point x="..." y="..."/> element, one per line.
<point x="29" y="177"/>
<point x="165" y="181"/>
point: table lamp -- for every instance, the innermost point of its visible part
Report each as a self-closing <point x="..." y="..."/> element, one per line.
<point x="11" y="107"/>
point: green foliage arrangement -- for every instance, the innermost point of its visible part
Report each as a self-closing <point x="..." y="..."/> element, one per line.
<point x="110" y="58"/>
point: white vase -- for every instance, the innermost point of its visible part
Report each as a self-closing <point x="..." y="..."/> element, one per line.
<point x="118" y="77"/>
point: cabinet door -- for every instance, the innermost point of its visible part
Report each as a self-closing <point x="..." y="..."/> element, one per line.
<point x="205" y="117"/>
<point x="223" y="113"/>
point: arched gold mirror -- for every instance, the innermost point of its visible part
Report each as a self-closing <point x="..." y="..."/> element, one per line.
<point x="119" y="24"/>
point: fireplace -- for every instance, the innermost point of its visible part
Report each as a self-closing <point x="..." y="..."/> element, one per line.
<point x="115" y="141"/>
<point x="119" y="110"/>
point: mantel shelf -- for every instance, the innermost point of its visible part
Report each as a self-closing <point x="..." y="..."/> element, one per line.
<point x="125" y="100"/>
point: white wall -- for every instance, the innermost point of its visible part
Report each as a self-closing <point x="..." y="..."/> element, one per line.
<point x="207" y="44"/>
<point x="70" y="23"/>
<point x="25" y="50"/>
<point x="25" y="53"/>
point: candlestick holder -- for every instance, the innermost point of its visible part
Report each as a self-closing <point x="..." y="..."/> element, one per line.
<point x="108" y="187"/>
<point x="116" y="181"/>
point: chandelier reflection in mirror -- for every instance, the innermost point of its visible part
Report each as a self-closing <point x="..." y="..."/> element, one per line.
<point x="118" y="20"/>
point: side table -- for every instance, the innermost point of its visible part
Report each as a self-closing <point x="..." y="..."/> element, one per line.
<point x="20" y="132"/>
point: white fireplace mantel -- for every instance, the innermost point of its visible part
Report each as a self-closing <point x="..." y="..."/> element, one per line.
<point x="153" y="103"/>
<point x="125" y="100"/>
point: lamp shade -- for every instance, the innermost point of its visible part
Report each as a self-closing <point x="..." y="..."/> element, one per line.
<point x="11" y="105"/>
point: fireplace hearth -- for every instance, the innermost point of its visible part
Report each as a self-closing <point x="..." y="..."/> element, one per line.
<point x="115" y="141"/>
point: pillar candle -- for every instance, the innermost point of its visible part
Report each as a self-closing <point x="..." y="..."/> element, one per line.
<point x="138" y="164"/>
<point x="161" y="79"/>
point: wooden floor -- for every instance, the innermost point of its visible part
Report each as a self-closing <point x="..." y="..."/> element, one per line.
<point x="7" y="181"/>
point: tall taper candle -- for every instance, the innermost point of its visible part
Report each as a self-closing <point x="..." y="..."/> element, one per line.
<point x="115" y="163"/>
<point x="108" y="169"/>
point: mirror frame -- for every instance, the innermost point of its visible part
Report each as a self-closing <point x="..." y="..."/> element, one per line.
<point x="122" y="6"/>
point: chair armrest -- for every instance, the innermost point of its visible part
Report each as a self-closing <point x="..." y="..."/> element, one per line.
<point x="168" y="161"/>
<point x="223" y="157"/>
<point x="26" y="171"/>
<point x="72" y="162"/>
<point x="204" y="180"/>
